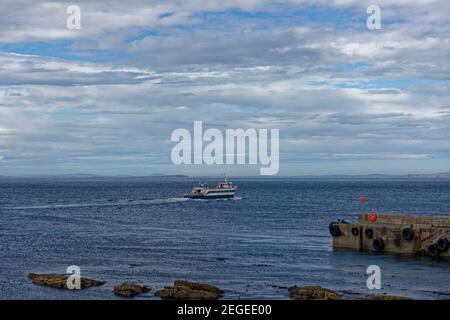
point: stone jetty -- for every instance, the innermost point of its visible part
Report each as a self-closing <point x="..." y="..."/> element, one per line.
<point x="404" y="234"/>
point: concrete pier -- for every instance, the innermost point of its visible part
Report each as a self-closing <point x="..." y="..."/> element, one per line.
<point x="392" y="233"/>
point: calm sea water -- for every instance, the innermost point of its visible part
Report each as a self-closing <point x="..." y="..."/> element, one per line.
<point x="274" y="235"/>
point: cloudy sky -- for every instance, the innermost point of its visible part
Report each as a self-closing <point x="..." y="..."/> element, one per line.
<point x="104" y="99"/>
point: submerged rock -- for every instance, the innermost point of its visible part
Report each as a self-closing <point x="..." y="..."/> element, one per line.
<point x="186" y="290"/>
<point x="312" y="293"/>
<point x="60" y="281"/>
<point x="383" y="297"/>
<point x="129" y="290"/>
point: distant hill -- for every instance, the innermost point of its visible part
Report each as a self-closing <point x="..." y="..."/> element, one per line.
<point x="386" y="176"/>
<point x="92" y="176"/>
<point x="434" y="175"/>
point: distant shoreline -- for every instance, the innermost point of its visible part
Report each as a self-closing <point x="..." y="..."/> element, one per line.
<point x="445" y="175"/>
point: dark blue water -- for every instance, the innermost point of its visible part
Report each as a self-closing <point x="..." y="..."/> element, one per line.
<point x="274" y="235"/>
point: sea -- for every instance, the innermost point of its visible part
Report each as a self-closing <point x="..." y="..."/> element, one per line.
<point x="273" y="235"/>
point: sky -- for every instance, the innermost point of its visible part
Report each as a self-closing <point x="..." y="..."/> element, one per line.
<point x="105" y="98"/>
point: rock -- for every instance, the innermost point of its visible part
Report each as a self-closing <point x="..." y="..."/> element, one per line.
<point x="60" y="281"/>
<point x="312" y="293"/>
<point x="441" y="293"/>
<point x="186" y="290"/>
<point x="382" y="297"/>
<point x="129" y="290"/>
<point x="198" y="286"/>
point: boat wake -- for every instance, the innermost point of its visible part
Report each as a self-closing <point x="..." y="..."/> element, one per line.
<point x="101" y="204"/>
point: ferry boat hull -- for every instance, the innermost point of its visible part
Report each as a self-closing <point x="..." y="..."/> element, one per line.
<point x="223" y="190"/>
<point x="209" y="196"/>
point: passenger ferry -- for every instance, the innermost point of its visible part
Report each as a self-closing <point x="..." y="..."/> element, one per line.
<point x="221" y="190"/>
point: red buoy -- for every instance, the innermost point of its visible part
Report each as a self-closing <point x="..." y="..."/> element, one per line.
<point x="373" y="217"/>
<point x="362" y="199"/>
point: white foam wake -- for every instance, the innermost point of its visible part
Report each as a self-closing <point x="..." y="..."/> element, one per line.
<point x="100" y="204"/>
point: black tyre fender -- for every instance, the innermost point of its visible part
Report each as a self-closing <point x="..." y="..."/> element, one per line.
<point x="433" y="250"/>
<point x="443" y="244"/>
<point x="369" y="233"/>
<point x="408" y="234"/>
<point x="334" y="229"/>
<point x="378" y="244"/>
<point x="355" y="231"/>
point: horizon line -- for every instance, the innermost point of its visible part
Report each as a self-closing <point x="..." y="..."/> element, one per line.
<point x="156" y="175"/>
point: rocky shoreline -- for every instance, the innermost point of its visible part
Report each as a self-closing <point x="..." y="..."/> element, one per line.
<point x="187" y="290"/>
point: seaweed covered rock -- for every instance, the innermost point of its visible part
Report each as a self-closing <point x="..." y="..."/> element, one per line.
<point x="186" y="290"/>
<point x="129" y="290"/>
<point x="312" y="293"/>
<point x="60" y="281"/>
<point x="385" y="297"/>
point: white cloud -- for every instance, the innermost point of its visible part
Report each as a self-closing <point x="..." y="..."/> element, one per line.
<point x="335" y="92"/>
